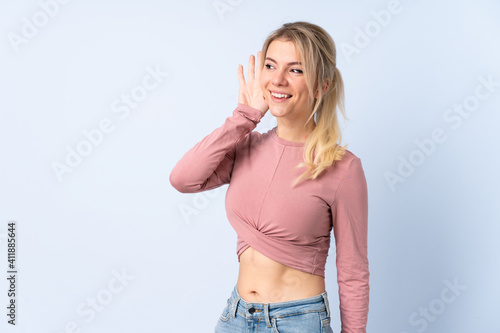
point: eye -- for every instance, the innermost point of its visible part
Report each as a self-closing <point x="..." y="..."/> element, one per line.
<point x="268" y="66"/>
<point x="297" y="71"/>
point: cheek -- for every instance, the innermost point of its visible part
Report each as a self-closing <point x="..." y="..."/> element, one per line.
<point x="304" y="92"/>
<point x="263" y="84"/>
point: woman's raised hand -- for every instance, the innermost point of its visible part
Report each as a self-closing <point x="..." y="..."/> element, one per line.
<point x="250" y="92"/>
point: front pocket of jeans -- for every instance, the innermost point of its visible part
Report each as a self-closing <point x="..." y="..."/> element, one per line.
<point x="299" y="322"/>
<point x="275" y="329"/>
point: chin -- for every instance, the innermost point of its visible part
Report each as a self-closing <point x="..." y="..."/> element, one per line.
<point x="276" y="111"/>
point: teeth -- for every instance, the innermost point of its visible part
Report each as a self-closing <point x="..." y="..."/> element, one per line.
<point x="280" y="95"/>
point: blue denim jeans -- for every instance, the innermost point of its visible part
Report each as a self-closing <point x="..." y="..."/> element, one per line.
<point x="307" y="315"/>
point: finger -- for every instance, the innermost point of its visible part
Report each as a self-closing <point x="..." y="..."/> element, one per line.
<point x="241" y="77"/>
<point x="259" y="67"/>
<point x="251" y="68"/>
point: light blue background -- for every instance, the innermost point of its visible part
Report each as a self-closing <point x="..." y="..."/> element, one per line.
<point x="117" y="212"/>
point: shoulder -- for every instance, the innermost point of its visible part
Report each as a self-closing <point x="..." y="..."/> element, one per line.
<point x="353" y="161"/>
<point x="353" y="181"/>
<point x="352" y="167"/>
<point x="342" y="179"/>
<point x="349" y="156"/>
<point x="347" y="164"/>
<point x="346" y="171"/>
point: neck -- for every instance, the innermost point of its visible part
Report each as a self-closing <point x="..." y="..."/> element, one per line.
<point x="294" y="134"/>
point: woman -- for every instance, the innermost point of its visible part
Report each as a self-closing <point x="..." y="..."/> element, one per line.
<point x="283" y="217"/>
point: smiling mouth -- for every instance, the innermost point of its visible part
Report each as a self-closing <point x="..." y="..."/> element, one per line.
<point x="278" y="95"/>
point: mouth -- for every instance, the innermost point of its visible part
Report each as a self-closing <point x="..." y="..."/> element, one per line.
<point x="279" y="95"/>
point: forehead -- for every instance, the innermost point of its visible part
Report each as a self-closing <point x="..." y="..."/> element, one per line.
<point x="283" y="51"/>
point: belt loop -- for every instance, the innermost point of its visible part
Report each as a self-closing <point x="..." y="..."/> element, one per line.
<point x="233" y="308"/>
<point x="327" y="305"/>
<point x="234" y="300"/>
<point x="266" y="314"/>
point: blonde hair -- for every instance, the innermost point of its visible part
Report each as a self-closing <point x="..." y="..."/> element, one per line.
<point x="318" y="56"/>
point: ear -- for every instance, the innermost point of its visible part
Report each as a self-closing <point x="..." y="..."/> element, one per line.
<point x="326" y="84"/>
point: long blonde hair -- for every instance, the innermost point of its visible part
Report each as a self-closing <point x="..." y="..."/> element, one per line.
<point x="318" y="54"/>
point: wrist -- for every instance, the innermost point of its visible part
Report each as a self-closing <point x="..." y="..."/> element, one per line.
<point x="254" y="113"/>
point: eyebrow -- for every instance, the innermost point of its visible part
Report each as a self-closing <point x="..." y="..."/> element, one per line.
<point x="289" y="64"/>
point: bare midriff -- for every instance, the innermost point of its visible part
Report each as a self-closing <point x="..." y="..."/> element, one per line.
<point x="264" y="280"/>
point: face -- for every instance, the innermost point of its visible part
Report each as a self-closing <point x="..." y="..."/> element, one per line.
<point x="283" y="82"/>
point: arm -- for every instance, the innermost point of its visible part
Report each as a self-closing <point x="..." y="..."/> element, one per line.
<point x="350" y="224"/>
<point x="209" y="163"/>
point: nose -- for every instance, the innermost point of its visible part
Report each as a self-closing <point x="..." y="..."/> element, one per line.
<point x="279" y="78"/>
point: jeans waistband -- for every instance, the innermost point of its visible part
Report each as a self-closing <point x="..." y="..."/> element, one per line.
<point x="316" y="303"/>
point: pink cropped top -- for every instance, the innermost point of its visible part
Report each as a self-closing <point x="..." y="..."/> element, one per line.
<point x="289" y="225"/>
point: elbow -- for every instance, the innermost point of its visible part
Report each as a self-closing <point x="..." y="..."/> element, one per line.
<point x="177" y="182"/>
<point x="182" y="183"/>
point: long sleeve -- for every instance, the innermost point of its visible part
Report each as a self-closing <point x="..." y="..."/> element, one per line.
<point x="350" y="224"/>
<point x="209" y="163"/>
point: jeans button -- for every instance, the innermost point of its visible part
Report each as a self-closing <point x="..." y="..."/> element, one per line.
<point x="251" y="310"/>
